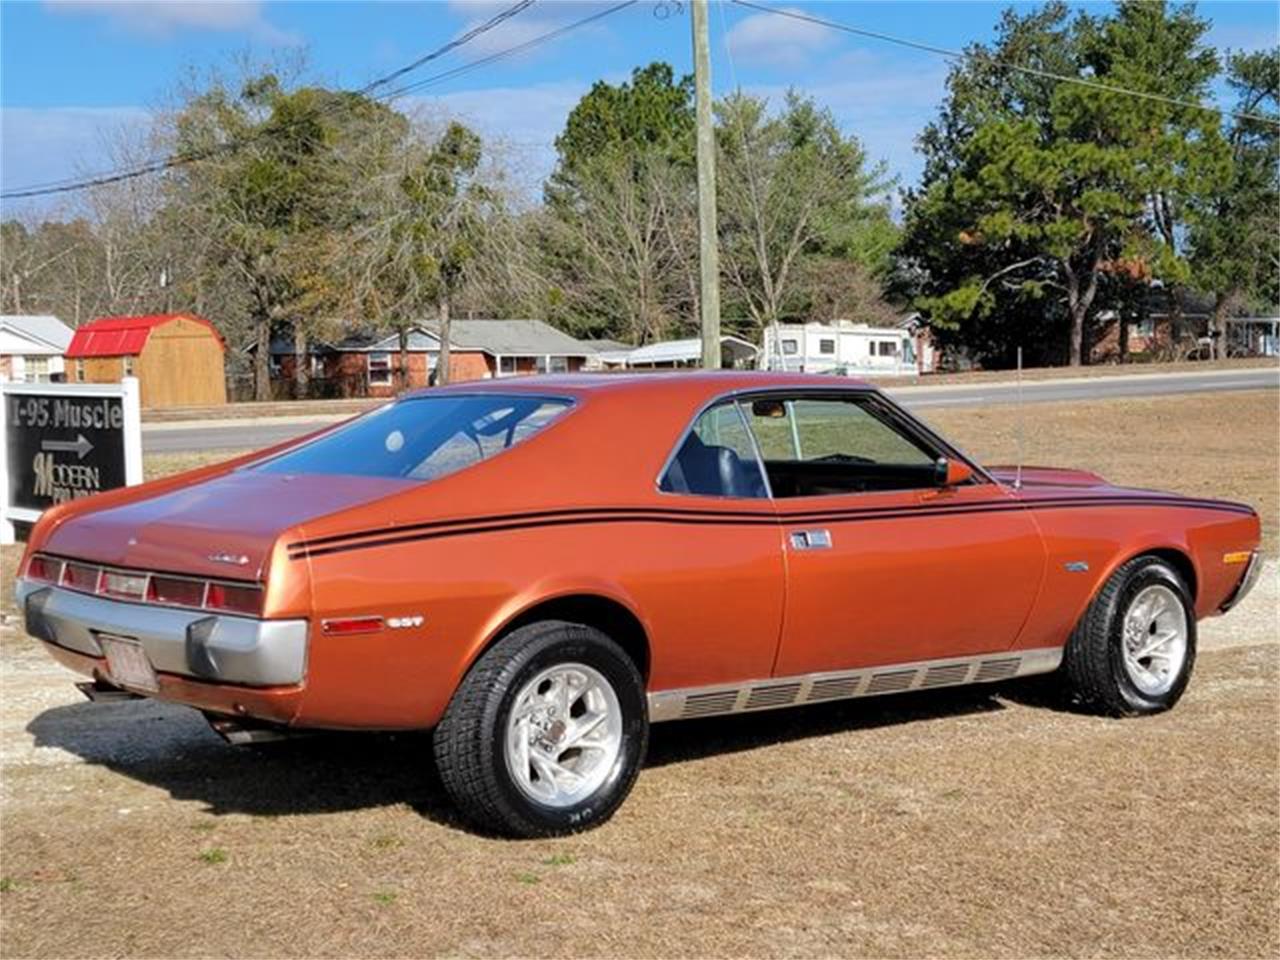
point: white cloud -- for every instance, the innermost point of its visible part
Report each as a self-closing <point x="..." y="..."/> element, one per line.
<point x="766" y="39"/>
<point x="161" y="19"/>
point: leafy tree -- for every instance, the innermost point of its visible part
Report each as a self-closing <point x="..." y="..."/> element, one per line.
<point x="269" y="180"/>
<point x="652" y="114"/>
<point x="1154" y="48"/>
<point x="1233" y="236"/>
<point x="1036" y="190"/>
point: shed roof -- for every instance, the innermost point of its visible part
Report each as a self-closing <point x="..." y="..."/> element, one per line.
<point x="125" y="336"/>
<point x="44" y="330"/>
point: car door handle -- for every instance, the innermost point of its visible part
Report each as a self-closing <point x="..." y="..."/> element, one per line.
<point x="811" y="539"/>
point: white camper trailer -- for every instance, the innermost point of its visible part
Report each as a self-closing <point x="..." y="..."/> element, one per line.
<point x="845" y="348"/>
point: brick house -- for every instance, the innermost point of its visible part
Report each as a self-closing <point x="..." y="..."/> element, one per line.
<point x="369" y="365"/>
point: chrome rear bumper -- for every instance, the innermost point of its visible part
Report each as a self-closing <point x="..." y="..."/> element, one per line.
<point x="224" y="649"/>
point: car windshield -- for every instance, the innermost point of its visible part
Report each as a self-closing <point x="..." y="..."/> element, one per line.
<point x="422" y="438"/>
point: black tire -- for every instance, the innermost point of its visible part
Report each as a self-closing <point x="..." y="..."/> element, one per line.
<point x="1093" y="665"/>
<point x="470" y="741"/>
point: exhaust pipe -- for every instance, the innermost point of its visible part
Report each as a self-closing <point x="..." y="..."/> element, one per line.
<point x="99" y="691"/>
<point x="242" y="732"/>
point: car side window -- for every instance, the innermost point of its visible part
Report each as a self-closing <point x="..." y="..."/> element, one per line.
<point x="814" y="446"/>
<point x="716" y="458"/>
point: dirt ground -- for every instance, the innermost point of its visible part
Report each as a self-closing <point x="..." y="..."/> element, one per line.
<point x="963" y="823"/>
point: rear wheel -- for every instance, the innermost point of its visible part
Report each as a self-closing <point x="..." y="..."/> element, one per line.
<point x="1133" y="651"/>
<point x="546" y="733"/>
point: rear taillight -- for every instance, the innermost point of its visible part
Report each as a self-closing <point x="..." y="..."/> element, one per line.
<point x="80" y="576"/>
<point x="126" y="586"/>
<point x="44" y="569"/>
<point x="159" y="588"/>
<point x="176" y="592"/>
<point x="233" y="599"/>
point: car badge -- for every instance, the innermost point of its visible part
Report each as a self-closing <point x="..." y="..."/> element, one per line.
<point x="237" y="559"/>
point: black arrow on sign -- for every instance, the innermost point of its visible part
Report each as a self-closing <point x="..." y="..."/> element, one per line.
<point x="79" y="446"/>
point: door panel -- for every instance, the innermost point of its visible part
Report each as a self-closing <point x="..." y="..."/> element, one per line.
<point x="942" y="575"/>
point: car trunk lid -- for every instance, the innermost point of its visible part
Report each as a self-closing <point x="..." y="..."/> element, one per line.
<point x="223" y="527"/>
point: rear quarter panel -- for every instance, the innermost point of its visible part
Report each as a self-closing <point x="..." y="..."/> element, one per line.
<point x="709" y="599"/>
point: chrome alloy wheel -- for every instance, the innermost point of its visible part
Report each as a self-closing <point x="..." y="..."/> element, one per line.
<point x="1155" y="639"/>
<point x="564" y="734"/>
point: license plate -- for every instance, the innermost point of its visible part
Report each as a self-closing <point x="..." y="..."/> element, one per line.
<point x="128" y="664"/>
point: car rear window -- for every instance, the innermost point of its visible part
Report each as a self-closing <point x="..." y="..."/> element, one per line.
<point x="423" y="438"/>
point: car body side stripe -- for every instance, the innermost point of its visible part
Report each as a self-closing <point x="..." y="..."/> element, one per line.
<point x="439" y="529"/>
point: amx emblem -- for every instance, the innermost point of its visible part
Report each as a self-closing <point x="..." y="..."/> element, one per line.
<point x="237" y="559"/>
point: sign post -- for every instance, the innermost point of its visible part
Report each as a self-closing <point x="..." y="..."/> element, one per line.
<point x="63" y="441"/>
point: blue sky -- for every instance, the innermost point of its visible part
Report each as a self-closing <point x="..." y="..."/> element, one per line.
<point x="74" y="71"/>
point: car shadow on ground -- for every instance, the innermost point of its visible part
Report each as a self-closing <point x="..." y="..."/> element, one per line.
<point x="172" y="748"/>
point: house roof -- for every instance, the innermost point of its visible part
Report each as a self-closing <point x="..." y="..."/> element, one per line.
<point x="608" y="346"/>
<point x="514" y="338"/>
<point x="500" y="338"/>
<point x="47" y="333"/>
<point x="674" y="351"/>
<point x="125" y="336"/>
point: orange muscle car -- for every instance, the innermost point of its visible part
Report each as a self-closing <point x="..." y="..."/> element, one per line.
<point x="540" y="568"/>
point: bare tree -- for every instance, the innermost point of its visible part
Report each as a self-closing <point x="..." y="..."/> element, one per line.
<point x="790" y="185"/>
<point x="423" y="227"/>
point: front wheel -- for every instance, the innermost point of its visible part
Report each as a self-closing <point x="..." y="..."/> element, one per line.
<point x="546" y="733"/>
<point x="1134" y="648"/>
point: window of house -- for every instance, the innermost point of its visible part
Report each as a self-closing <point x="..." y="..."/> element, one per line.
<point x="273" y="365"/>
<point x="790" y="347"/>
<point x="506" y="366"/>
<point x="814" y="446"/>
<point x="128" y="366"/>
<point x="888" y="348"/>
<point x="379" y="368"/>
<point x="79" y="371"/>
<point x="826" y="346"/>
<point x="716" y="459"/>
<point x="317" y="366"/>
<point x="37" y="369"/>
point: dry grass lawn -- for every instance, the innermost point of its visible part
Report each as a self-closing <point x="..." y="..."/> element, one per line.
<point x="953" y="824"/>
<point x="1223" y="445"/>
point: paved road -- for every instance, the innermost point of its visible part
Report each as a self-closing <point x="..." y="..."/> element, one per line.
<point x="249" y="434"/>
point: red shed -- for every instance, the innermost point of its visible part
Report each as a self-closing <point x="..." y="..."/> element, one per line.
<point x="178" y="358"/>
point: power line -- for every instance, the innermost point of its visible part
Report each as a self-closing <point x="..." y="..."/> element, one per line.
<point x="161" y="164"/>
<point x="454" y="44"/>
<point x="509" y="52"/>
<point x="1032" y="71"/>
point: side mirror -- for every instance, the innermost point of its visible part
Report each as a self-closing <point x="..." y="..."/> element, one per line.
<point x="950" y="473"/>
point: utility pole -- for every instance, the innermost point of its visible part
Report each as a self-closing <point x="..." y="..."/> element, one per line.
<point x="708" y="241"/>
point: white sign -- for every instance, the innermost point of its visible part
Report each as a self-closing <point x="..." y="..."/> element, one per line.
<point x="63" y="441"/>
